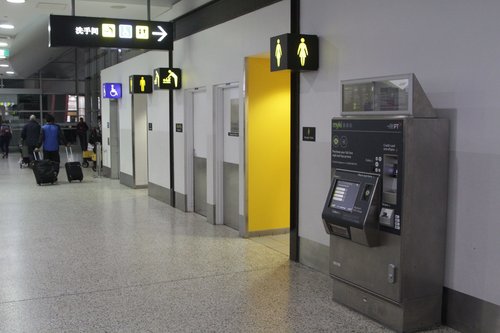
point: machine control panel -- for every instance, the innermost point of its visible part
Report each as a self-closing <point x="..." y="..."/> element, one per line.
<point x="350" y="203"/>
<point x="372" y="146"/>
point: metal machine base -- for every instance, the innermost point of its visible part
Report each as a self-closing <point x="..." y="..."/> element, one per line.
<point x="411" y="316"/>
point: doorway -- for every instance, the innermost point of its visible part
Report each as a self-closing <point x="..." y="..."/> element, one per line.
<point x="114" y="139"/>
<point x="227" y="154"/>
<point x="196" y="119"/>
<point x="140" y="140"/>
<point x="267" y="150"/>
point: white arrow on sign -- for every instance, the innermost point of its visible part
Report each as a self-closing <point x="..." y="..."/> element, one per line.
<point x="161" y="33"/>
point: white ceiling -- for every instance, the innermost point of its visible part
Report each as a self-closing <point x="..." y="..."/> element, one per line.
<point x="28" y="42"/>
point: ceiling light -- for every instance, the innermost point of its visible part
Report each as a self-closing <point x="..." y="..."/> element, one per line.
<point x="2" y="44"/>
<point x="10" y="72"/>
<point x="4" y="65"/>
<point x="16" y="1"/>
<point x="6" y="26"/>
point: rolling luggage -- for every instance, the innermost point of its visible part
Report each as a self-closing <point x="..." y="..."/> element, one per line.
<point x="45" y="171"/>
<point x="73" y="168"/>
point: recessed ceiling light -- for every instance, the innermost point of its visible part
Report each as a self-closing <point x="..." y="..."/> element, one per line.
<point x="6" y="26"/>
<point x="10" y="72"/>
<point x="4" y="65"/>
<point x="2" y="44"/>
<point x="16" y="1"/>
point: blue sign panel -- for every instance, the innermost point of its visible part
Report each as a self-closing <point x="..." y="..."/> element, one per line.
<point x="112" y="90"/>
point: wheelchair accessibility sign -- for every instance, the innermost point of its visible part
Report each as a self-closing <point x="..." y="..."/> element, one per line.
<point x="112" y="90"/>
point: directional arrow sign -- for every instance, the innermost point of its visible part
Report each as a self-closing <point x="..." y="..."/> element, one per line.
<point x="161" y="33"/>
<point x="81" y="31"/>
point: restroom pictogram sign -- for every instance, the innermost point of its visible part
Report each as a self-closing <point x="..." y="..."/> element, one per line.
<point x="295" y="52"/>
<point x="140" y="84"/>
<point x="167" y="78"/>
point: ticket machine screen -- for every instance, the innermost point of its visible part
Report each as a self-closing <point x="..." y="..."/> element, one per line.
<point x="350" y="198"/>
<point x="344" y="195"/>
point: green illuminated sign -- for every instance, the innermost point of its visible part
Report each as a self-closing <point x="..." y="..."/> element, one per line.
<point x="4" y="53"/>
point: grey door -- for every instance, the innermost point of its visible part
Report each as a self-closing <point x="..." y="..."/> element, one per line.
<point x="200" y="144"/>
<point x="114" y="139"/>
<point x="230" y="171"/>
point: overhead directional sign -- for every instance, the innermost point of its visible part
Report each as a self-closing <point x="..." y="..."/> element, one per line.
<point x="295" y="52"/>
<point x="81" y="31"/>
<point x="167" y="78"/>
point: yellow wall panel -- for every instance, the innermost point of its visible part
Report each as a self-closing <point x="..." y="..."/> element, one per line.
<point x="268" y="146"/>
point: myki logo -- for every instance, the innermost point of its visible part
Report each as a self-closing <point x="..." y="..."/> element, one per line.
<point x="337" y="125"/>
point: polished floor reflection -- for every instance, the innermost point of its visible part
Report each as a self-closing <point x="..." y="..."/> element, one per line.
<point x="100" y="257"/>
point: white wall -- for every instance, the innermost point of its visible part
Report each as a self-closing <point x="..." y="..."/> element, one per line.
<point x="451" y="46"/>
<point x="158" y="141"/>
<point x="140" y="124"/>
<point x="157" y="112"/>
<point x="211" y="57"/>
<point x="106" y="149"/>
<point x="215" y="56"/>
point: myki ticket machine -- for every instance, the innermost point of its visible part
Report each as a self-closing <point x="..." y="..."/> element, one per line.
<point x="386" y="207"/>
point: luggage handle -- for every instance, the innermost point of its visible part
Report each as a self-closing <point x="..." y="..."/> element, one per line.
<point x="69" y="155"/>
<point x="37" y="154"/>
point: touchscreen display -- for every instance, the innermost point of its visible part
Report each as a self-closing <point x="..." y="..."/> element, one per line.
<point x="344" y="195"/>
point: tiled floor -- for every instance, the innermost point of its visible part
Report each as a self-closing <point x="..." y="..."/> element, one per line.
<point x="100" y="257"/>
<point x="280" y="243"/>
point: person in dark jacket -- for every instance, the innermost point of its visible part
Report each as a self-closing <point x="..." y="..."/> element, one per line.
<point x="30" y="135"/>
<point x="5" y="136"/>
<point x="81" y="131"/>
<point x="50" y="137"/>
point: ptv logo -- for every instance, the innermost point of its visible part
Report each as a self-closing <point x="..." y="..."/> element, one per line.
<point x="394" y="126"/>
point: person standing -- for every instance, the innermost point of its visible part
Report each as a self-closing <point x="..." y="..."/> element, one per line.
<point x="30" y="135"/>
<point x="81" y="131"/>
<point x="50" y="137"/>
<point x="5" y="136"/>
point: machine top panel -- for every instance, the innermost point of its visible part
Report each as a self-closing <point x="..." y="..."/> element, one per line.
<point x="396" y="95"/>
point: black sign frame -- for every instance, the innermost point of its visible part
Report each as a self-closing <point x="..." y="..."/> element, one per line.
<point x="296" y="52"/>
<point x="161" y="76"/>
<point x="135" y="84"/>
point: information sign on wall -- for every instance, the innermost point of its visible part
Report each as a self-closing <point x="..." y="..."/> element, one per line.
<point x="295" y="52"/>
<point x="140" y="84"/>
<point x="81" y="31"/>
<point x="308" y="133"/>
<point x="167" y="78"/>
<point x="4" y="53"/>
<point x="112" y="90"/>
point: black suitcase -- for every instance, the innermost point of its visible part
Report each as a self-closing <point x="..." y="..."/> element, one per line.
<point x="45" y="171"/>
<point x="73" y="169"/>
